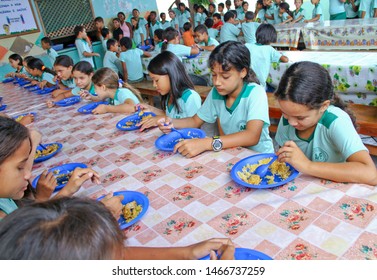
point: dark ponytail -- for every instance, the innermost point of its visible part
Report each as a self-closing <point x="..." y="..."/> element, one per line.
<point x="36" y="63"/>
<point x="169" y="34"/>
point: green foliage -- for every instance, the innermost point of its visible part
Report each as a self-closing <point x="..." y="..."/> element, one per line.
<point x="205" y="3"/>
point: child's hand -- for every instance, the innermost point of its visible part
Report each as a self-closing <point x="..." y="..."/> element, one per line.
<point x="42" y="84"/>
<point x="114" y="204"/>
<point x="34" y="82"/>
<point x="11" y="74"/>
<point x="165" y="125"/>
<point x="50" y="103"/>
<point x="217" y="248"/>
<point x="78" y="177"/>
<point x="142" y="107"/>
<point x="100" y="109"/>
<point x="84" y="94"/>
<point x="148" y="123"/>
<point x="28" y="119"/>
<point x="192" y="147"/>
<point x="96" y="54"/>
<point x="45" y="186"/>
<point x="293" y="155"/>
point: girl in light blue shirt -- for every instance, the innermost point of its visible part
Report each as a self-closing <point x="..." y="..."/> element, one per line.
<point x="171" y="43"/>
<point x="316" y="133"/>
<point x="178" y="97"/>
<point x="122" y="98"/>
<point x="44" y="76"/>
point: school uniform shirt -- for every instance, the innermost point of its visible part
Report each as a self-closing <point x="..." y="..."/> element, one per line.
<point x="137" y="36"/>
<point x="198" y="18"/>
<point x="336" y="7"/>
<point x="157" y="47"/>
<point x="261" y="57"/>
<point x="277" y="19"/>
<point x="132" y="58"/>
<point x="104" y="44"/>
<point x="174" y="22"/>
<point x="164" y="25"/>
<point x="239" y="11"/>
<point x="179" y="50"/>
<point x="318" y="11"/>
<point x="70" y="83"/>
<point x="76" y="90"/>
<point x="284" y="17"/>
<point x="23" y="71"/>
<point x="153" y="27"/>
<point x="122" y="94"/>
<point x="213" y="33"/>
<point x="367" y="7"/>
<point x="270" y="11"/>
<point x="52" y="54"/>
<point x="46" y="77"/>
<point x="183" y="17"/>
<point x="249" y="29"/>
<point x="7" y="205"/>
<point x="241" y="15"/>
<point x="211" y="42"/>
<point x="83" y="46"/>
<point x="297" y="14"/>
<point x="261" y="16"/>
<point x="229" y="32"/>
<point x="251" y="104"/>
<point x="350" y="13"/>
<point x="189" y="104"/>
<point x="333" y="140"/>
<point x="111" y="61"/>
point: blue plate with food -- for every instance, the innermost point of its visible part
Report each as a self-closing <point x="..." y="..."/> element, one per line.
<point x="45" y="90"/>
<point x="279" y="173"/>
<point x="166" y="142"/>
<point x="129" y="122"/>
<point x="23" y="82"/>
<point x="19" y="117"/>
<point x="29" y="86"/>
<point x="144" y="48"/>
<point x="135" y="205"/>
<point x="192" y="56"/>
<point x="8" y="80"/>
<point x="47" y="151"/>
<point x="88" y="108"/>
<point x="246" y="254"/>
<point x="68" y="101"/>
<point x="34" y="88"/>
<point x="3" y="107"/>
<point x="62" y="174"/>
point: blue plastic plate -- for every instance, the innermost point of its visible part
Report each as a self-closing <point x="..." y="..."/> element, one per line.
<point x="192" y="56"/>
<point x="61" y="169"/>
<point x="45" y="90"/>
<point x="68" y="101"/>
<point x="129" y="122"/>
<point x="22" y="83"/>
<point x="263" y="185"/>
<point x="129" y="196"/>
<point x="144" y="48"/>
<point x="246" y="254"/>
<point x="166" y="142"/>
<point x="25" y="114"/>
<point x="8" y="80"/>
<point x="46" y="157"/>
<point x="88" y="108"/>
<point x="34" y="88"/>
<point x="29" y="86"/>
<point x="3" y="107"/>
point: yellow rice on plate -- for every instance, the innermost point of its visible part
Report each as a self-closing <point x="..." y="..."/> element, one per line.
<point x="131" y="210"/>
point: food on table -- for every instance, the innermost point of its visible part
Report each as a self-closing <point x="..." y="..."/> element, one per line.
<point x="131" y="210"/>
<point x="277" y="168"/>
<point x="45" y="152"/>
<point x="133" y="123"/>
<point x="62" y="178"/>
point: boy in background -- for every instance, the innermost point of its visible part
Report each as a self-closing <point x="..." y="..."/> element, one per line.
<point x="217" y="21"/>
<point x="204" y="41"/>
<point x="82" y="45"/>
<point x="46" y="45"/>
<point x="249" y="28"/>
<point x="111" y="58"/>
<point x="106" y="35"/>
<point x="229" y="32"/>
<point x="212" y="32"/>
<point x="187" y="36"/>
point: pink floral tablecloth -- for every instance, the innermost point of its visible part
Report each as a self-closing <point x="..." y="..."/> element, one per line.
<point x="195" y="199"/>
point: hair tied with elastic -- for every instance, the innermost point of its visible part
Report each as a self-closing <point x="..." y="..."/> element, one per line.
<point x="120" y="83"/>
<point x="165" y="41"/>
<point x="43" y="67"/>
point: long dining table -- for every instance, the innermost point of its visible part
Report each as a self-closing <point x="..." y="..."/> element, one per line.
<point x="195" y="199"/>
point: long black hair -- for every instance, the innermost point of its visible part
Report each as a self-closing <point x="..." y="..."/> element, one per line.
<point x="232" y="54"/>
<point x="167" y="63"/>
<point x="309" y="84"/>
<point x="36" y="63"/>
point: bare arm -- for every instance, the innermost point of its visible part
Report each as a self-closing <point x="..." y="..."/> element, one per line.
<point x="128" y="107"/>
<point x="297" y="19"/>
<point x="316" y="18"/>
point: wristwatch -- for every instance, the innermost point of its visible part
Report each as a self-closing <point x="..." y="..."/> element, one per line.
<point x="217" y="144"/>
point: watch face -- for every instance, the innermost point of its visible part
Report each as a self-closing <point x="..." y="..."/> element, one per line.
<point x="217" y="145"/>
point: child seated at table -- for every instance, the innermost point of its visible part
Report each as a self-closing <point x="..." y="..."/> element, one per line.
<point x="217" y="21"/>
<point x="284" y="13"/>
<point x="15" y="170"/>
<point x="15" y="60"/>
<point x="82" y="73"/>
<point x="46" y="45"/>
<point x="97" y="235"/>
<point x="317" y="14"/>
<point x="204" y="41"/>
<point x="262" y="54"/>
<point x="111" y="58"/>
<point x="157" y="38"/>
<point x="249" y="28"/>
<point x="44" y="77"/>
<point x="171" y="43"/>
<point x="316" y="132"/>
<point x="229" y="32"/>
<point x="236" y="101"/>
<point x="131" y="61"/>
<point x="178" y="96"/>
<point x="63" y="67"/>
<point x="187" y="36"/>
<point x="122" y="98"/>
<point x="298" y="13"/>
<point x="82" y="45"/>
<point x="212" y="32"/>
